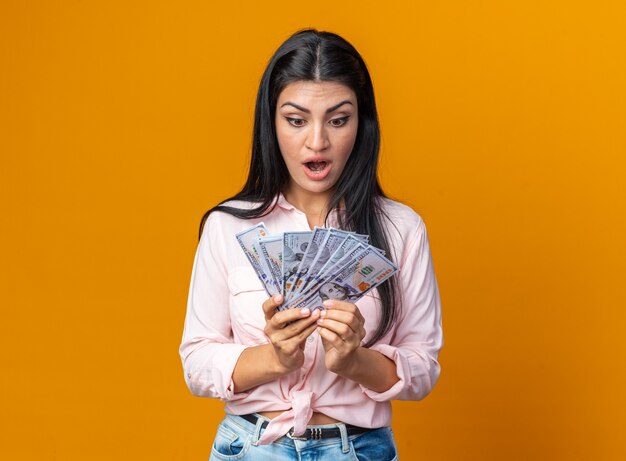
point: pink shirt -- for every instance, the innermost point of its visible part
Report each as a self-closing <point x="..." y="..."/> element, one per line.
<point x="224" y="317"/>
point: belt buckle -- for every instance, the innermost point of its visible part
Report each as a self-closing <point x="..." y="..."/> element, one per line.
<point x="295" y="437"/>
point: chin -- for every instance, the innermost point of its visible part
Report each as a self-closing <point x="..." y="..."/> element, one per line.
<point x="317" y="187"/>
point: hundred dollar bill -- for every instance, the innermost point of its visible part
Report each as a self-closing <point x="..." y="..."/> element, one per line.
<point x="367" y="270"/>
<point x="334" y="239"/>
<point x="246" y="239"/>
<point x="318" y="279"/>
<point x="294" y="247"/>
<point x="337" y="258"/>
<point x="319" y="235"/>
<point x="265" y="266"/>
<point x="271" y="251"/>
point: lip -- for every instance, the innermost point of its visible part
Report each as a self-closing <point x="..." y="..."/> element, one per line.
<point x="316" y="158"/>
<point x="317" y="175"/>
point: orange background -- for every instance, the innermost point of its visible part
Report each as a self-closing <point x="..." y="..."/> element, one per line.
<point x="503" y="125"/>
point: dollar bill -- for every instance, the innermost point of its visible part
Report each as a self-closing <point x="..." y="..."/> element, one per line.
<point x="366" y="270"/>
<point x="295" y="245"/>
<point x="319" y="235"/>
<point x="320" y="278"/>
<point x="271" y="251"/>
<point x="334" y="239"/>
<point x="338" y="256"/>
<point x="265" y="266"/>
<point x="246" y="242"/>
<point x="306" y="267"/>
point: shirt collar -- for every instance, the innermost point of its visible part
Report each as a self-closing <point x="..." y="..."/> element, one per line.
<point x="283" y="203"/>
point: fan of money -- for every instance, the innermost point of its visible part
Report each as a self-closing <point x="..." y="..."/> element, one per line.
<point x="308" y="268"/>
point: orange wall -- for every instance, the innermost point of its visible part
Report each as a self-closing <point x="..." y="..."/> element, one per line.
<point x="503" y="125"/>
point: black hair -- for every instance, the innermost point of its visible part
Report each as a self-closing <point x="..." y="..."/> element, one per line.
<point x="311" y="55"/>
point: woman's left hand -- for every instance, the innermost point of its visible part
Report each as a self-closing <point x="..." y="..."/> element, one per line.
<point x="341" y="327"/>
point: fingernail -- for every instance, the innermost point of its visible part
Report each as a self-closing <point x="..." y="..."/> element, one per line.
<point x="328" y="303"/>
<point x="320" y="321"/>
<point x="322" y="314"/>
<point x="305" y="311"/>
<point x="278" y="298"/>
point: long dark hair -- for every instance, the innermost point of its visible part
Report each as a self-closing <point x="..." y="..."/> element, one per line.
<point x="312" y="55"/>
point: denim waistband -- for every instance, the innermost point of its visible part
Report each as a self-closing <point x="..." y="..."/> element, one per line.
<point x="237" y="440"/>
<point x="256" y="430"/>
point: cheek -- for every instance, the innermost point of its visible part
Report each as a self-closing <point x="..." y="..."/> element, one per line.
<point x="345" y="145"/>
<point x="288" y="145"/>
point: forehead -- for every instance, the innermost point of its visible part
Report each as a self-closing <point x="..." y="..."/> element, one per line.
<point x="309" y="93"/>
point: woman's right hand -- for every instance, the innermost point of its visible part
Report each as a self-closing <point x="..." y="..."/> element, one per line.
<point x="287" y="331"/>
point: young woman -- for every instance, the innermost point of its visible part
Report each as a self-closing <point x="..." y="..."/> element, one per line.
<point x="297" y="382"/>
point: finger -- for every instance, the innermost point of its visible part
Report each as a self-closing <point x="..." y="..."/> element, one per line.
<point x="331" y="338"/>
<point x="270" y="305"/>
<point x="299" y="341"/>
<point x="348" y="318"/>
<point x="296" y="328"/>
<point x="282" y="318"/>
<point x="341" y="329"/>
<point x="305" y="335"/>
<point x="301" y="338"/>
<point x="344" y="306"/>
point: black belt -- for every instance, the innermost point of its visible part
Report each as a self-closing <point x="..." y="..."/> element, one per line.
<point x="312" y="433"/>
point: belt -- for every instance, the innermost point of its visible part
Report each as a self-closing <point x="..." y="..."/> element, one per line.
<point x="312" y="433"/>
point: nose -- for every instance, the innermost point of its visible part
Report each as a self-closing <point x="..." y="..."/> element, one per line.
<point x="317" y="139"/>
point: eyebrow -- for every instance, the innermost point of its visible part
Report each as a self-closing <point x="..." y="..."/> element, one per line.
<point x="303" y="109"/>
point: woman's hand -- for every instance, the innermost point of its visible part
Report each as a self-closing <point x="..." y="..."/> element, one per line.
<point x="341" y="327"/>
<point x="287" y="331"/>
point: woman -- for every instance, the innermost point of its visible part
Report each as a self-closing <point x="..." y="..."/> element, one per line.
<point x="296" y="380"/>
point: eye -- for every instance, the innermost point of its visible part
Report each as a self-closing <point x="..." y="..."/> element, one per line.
<point x="337" y="122"/>
<point x="297" y="122"/>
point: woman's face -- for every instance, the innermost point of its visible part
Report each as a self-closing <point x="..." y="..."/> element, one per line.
<point x="316" y="126"/>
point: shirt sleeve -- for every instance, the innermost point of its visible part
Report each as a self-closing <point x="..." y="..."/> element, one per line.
<point x="418" y="337"/>
<point x="207" y="350"/>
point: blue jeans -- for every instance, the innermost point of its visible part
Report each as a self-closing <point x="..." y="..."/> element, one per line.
<point x="237" y="439"/>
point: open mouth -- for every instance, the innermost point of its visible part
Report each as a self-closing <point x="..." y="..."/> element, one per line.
<point x="317" y="170"/>
<point x="316" y="166"/>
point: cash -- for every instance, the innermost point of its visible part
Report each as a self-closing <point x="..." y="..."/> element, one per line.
<point x="295" y="245"/>
<point x="246" y="241"/>
<point x="335" y="240"/>
<point x="365" y="269"/>
<point x="308" y="268"/>
<point x="313" y="249"/>
<point x="271" y="251"/>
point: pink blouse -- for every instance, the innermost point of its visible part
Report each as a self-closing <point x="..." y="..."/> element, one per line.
<point x="224" y="317"/>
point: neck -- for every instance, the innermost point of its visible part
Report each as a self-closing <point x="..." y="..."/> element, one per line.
<point x="312" y="204"/>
